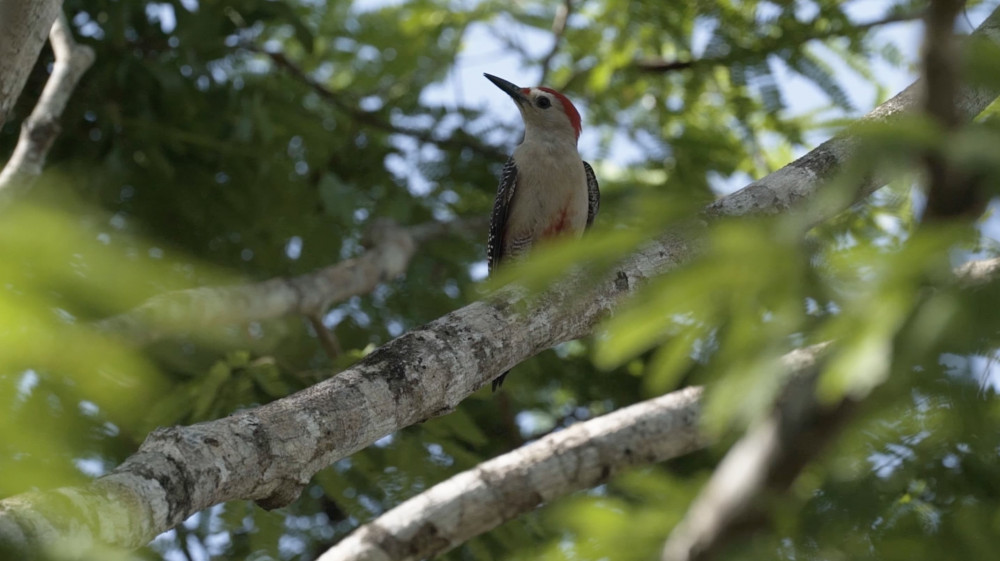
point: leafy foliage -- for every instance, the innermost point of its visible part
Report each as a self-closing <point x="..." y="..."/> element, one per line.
<point x="219" y="142"/>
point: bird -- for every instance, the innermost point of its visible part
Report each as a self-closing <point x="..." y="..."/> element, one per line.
<point x="546" y="189"/>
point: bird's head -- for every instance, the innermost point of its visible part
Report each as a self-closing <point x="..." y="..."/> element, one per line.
<point x="542" y="109"/>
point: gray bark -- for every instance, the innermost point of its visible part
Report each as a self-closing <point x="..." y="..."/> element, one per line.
<point x="23" y="28"/>
<point x="506" y="487"/>
<point x="976" y="273"/>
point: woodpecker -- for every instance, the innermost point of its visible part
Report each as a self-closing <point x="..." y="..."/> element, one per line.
<point x="545" y="189"/>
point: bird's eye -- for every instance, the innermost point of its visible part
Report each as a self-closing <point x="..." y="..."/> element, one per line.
<point x="543" y="102"/>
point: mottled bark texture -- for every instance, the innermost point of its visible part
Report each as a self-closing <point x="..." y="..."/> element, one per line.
<point x="771" y="454"/>
<point x="506" y="487"/>
<point x="23" y="28"/>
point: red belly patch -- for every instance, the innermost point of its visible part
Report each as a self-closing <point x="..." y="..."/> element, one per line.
<point x="559" y="224"/>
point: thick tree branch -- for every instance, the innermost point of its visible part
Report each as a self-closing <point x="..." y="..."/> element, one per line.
<point x="478" y="500"/>
<point x="269" y="453"/>
<point x="41" y="128"/>
<point x="941" y="61"/>
<point x="23" y="27"/>
<point x="311" y="294"/>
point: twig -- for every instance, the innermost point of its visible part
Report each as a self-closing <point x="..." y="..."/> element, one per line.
<point x="41" y="128"/>
<point x="327" y="338"/>
<point x="182" y="541"/>
<point x="661" y="65"/>
<point x="563" y="11"/>
<point x="508" y="420"/>
<point x="372" y="118"/>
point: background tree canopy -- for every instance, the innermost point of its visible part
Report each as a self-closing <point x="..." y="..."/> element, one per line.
<point x="217" y="143"/>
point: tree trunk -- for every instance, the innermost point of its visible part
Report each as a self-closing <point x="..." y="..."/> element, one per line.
<point x="24" y="27"/>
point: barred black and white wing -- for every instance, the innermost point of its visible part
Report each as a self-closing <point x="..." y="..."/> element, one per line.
<point x="501" y="211"/>
<point x="498" y="224"/>
<point x="593" y="194"/>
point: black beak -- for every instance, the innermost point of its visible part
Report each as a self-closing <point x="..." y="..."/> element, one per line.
<point x="510" y="89"/>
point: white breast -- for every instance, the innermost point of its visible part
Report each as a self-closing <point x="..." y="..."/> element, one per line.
<point x="551" y="195"/>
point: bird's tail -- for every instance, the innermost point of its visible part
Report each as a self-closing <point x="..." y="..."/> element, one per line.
<point x="499" y="381"/>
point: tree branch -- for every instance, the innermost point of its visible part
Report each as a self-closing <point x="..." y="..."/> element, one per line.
<point x="563" y="11"/>
<point x="41" y="128"/>
<point x="795" y="184"/>
<point x="480" y="499"/>
<point x="664" y="66"/>
<point x="311" y="294"/>
<point x="327" y="339"/>
<point x="269" y="453"/>
<point x="772" y="454"/>
<point x="372" y="118"/>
